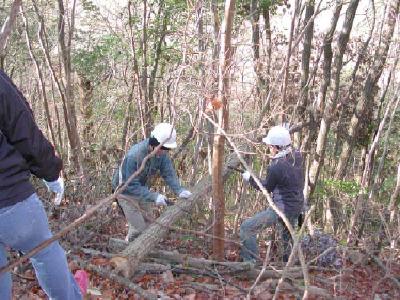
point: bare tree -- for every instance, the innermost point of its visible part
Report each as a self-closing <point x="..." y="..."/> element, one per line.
<point x="367" y="100"/>
<point x="320" y="149"/>
<point x="40" y="78"/>
<point x="7" y="29"/>
<point x="219" y="140"/>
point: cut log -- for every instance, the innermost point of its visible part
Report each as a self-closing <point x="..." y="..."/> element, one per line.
<point x="146" y="242"/>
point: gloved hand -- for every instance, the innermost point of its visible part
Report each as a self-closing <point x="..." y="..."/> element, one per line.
<point x="246" y="176"/>
<point x="161" y="200"/>
<point x="185" y="194"/>
<point x="56" y="186"/>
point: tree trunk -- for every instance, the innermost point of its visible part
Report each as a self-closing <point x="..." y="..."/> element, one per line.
<point x="320" y="149"/>
<point x="71" y="121"/>
<point x="349" y="102"/>
<point x="7" y="28"/>
<point x="141" y="102"/>
<point x="289" y="55"/>
<point x="369" y="87"/>
<point x="86" y="108"/>
<point x="219" y="139"/>
<point x="41" y="81"/>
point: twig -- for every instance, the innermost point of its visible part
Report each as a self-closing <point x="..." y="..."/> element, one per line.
<point x="384" y="268"/>
<point x="264" y="267"/>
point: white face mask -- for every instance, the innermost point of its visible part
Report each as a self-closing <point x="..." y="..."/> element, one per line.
<point x="283" y="152"/>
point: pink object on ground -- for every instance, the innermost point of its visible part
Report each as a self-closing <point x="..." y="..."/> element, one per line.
<point x="82" y="280"/>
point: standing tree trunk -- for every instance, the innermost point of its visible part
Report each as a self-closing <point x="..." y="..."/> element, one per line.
<point x="7" y="29"/>
<point x="257" y="62"/>
<point x="71" y="121"/>
<point x="369" y="86"/>
<point x="320" y="149"/>
<point x="367" y="101"/>
<point x="86" y="108"/>
<point x="289" y="55"/>
<point x="64" y="89"/>
<point x="305" y="74"/>
<point x="330" y="105"/>
<point x="268" y="37"/>
<point x="219" y="140"/>
<point x="41" y="80"/>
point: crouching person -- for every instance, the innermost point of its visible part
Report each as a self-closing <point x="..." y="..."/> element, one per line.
<point x="285" y="180"/>
<point x="164" y="134"/>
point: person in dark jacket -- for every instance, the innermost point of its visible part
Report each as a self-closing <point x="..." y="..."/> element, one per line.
<point x="285" y="180"/>
<point x="23" y="221"/>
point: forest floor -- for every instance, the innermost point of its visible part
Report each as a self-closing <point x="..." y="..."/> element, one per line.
<point x="353" y="281"/>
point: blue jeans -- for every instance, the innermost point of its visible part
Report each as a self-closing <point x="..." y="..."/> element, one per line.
<point x="23" y="226"/>
<point x="261" y="220"/>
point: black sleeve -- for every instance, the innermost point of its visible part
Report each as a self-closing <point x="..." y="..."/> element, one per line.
<point x="272" y="178"/>
<point x="18" y="126"/>
<point x="270" y="181"/>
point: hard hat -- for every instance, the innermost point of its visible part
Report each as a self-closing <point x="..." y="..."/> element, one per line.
<point x="165" y="134"/>
<point x="278" y="136"/>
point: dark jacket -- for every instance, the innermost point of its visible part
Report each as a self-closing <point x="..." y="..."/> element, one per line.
<point x="285" y="180"/>
<point x="23" y="148"/>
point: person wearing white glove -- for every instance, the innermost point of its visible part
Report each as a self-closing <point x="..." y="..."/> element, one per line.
<point x="163" y="134"/>
<point x="56" y="186"/>
<point x="185" y="194"/>
<point x="161" y="200"/>
<point x="285" y="181"/>
<point x="25" y="151"/>
<point x="246" y="176"/>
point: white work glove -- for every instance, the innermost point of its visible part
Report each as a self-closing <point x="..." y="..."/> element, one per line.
<point x="56" y="186"/>
<point x="185" y="194"/>
<point x="246" y="176"/>
<point x="161" y="200"/>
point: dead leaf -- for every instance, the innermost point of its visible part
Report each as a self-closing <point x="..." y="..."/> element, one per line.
<point x="213" y="104"/>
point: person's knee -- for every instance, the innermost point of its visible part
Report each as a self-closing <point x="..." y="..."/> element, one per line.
<point x="53" y="252"/>
<point x="245" y="230"/>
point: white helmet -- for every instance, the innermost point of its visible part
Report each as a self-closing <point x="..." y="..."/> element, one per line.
<point x="165" y="134"/>
<point x="278" y="136"/>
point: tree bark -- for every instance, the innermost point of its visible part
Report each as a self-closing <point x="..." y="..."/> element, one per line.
<point x="219" y="139"/>
<point x="7" y="28"/>
<point x="86" y="108"/>
<point x="320" y="148"/>
<point x="71" y="120"/>
<point x="41" y="81"/>
<point x="370" y="86"/>
<point x="366" y="101"/>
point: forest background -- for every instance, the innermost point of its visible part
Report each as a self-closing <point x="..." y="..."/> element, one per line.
<point x="98" y="75"/>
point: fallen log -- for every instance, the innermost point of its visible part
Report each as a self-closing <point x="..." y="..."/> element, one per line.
<point x="143" y="244"/>
<point x="240" y="269"/>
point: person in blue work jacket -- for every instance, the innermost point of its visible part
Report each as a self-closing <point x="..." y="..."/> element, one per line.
<point x="24" y="151"/>
<point x="164" y="134"/>
<point x="285" y="180"/>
